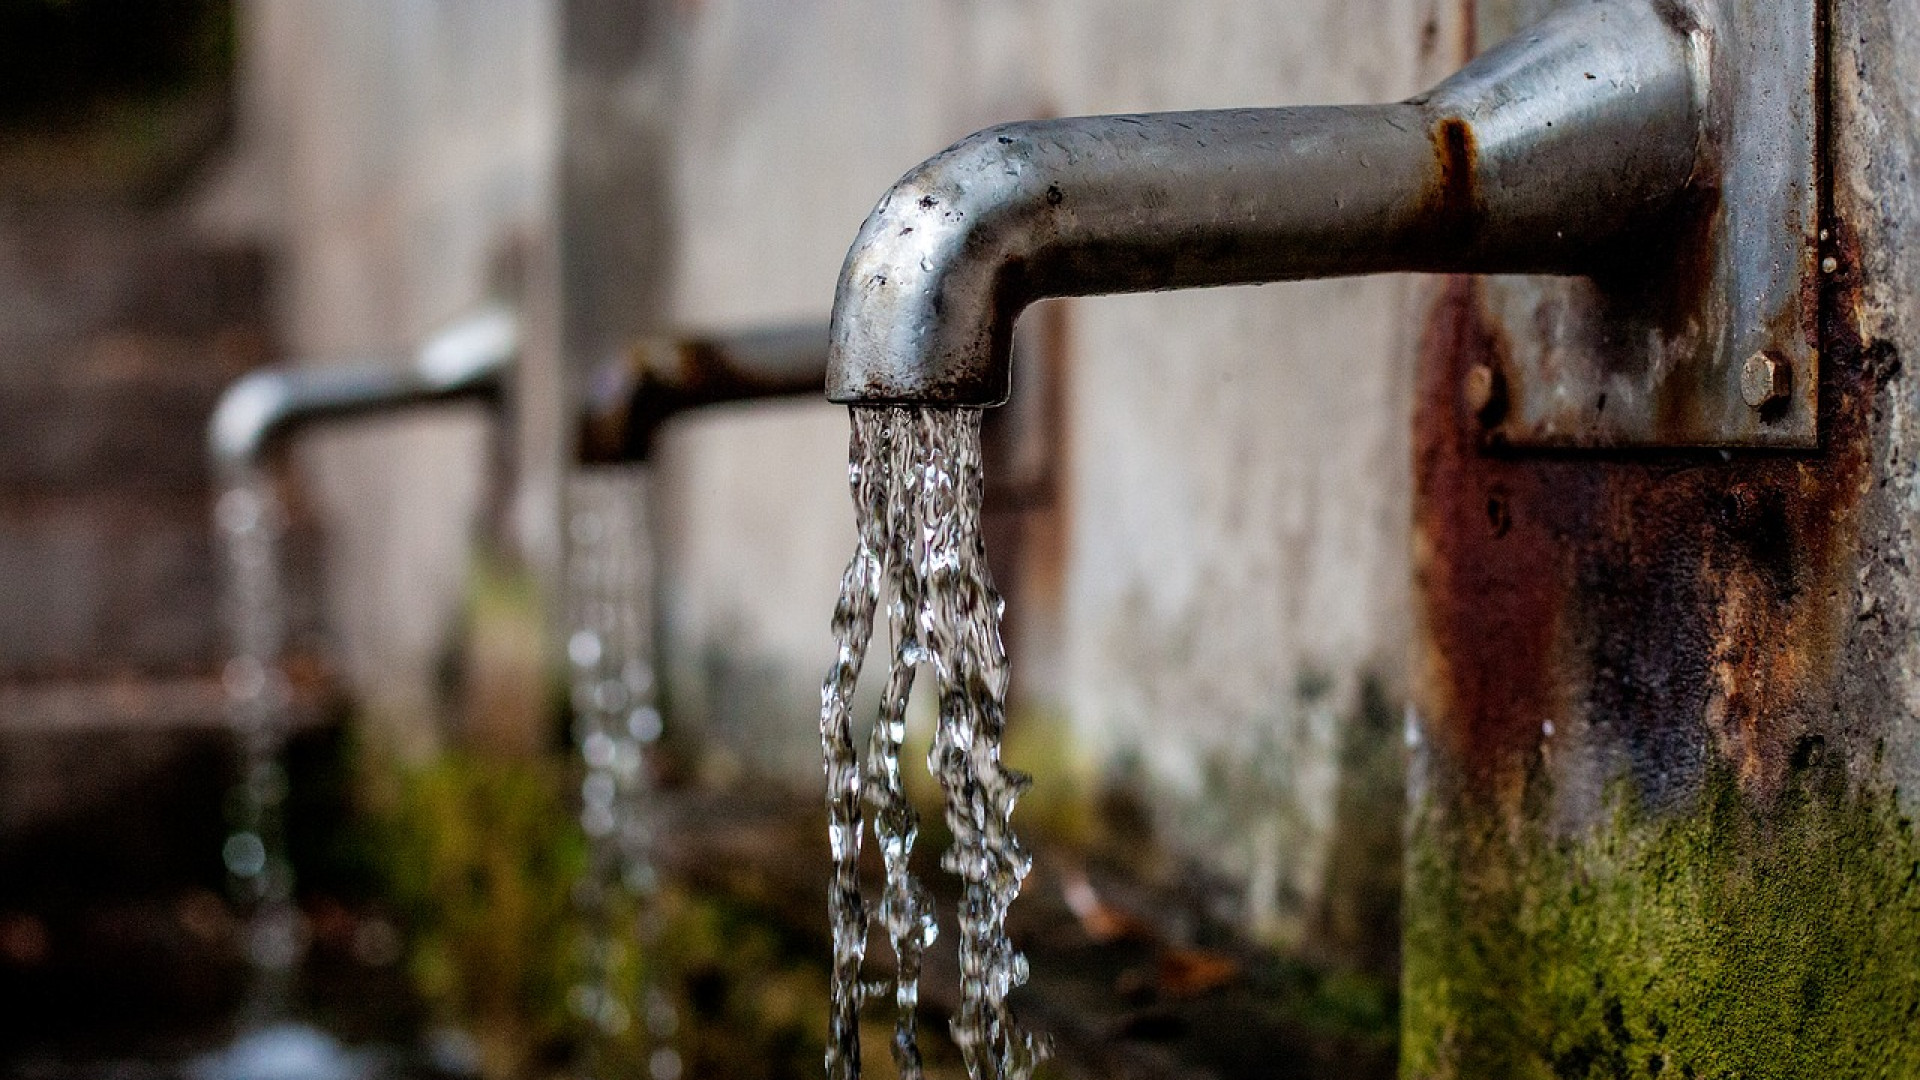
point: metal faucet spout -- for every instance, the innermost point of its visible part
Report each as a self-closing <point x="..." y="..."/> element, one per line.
<point x="465" y="361"/>
<point x="1543" y="156"/>
<point x="629" y="399"/>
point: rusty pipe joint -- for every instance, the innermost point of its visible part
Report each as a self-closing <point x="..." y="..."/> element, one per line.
<point x="468" y="360"/>
<point x="1548" y="154"/>
<point x="628" y="400"/>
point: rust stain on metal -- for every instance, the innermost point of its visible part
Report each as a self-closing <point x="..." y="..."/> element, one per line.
<point x="1453" y="139"/>
<point x="1454" y="197"/>
<point x="659" y="380"/>
<point x="1681" y="603"/>
<point x="1487" y="557"/>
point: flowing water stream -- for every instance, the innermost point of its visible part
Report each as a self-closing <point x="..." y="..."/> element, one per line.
<point x="249" y="519"/>
<point x="617" y="724"/>
<point x="917" y="489"/>
<point x="610" y="597"/>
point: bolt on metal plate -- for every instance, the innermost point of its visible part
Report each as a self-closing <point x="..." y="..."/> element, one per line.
<point x="1656" y="353"/>
<point x="1764" y="380"/>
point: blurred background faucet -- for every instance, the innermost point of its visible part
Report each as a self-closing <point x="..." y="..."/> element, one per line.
<point x="467" y="360"/>
<point x="628" y="399"/>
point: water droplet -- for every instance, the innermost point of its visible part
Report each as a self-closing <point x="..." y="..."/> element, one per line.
<point x="597" y="750"/>
<point x="609" y="582"/>
<point x="644" y="724"/>
<point x="241" y="508"/>
<point x="599" y="790"/>
<point x="596" y="821"/>
<point x="613" y="1017"/>
<point x="664" y="1064"/>
<point x="583" y="648"/>
<point x="245" y="855"/>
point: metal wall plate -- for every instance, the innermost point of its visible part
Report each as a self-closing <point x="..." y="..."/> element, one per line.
<point x="1657" y="354"/>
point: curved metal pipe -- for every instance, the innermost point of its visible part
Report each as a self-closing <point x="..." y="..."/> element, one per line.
<point x="467" y="360"/>
<point x="1544" y="155"/>
<point x="629" y="399"/>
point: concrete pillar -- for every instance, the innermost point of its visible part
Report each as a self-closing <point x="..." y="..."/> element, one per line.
<point x="1665" y="755"/>
<point x="604" y="274"/>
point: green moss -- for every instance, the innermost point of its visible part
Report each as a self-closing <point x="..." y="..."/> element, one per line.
<point x="1742" y="937"/>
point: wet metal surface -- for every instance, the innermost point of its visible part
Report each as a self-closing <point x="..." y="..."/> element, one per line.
<point x="1651" y="352"/>
<point x="1650" y="170"/>
<point x="1546" y="155"/>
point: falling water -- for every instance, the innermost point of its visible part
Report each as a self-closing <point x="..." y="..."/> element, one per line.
<point x="249" y="520"/>
<point x="610" y="596"/>
<point x="916" y="479"/>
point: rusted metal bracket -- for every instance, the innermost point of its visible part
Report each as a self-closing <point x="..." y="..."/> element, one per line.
<point x="1706" y="336"/>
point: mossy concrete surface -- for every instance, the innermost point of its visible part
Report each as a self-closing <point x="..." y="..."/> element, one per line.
<point x="1726" y="940"/>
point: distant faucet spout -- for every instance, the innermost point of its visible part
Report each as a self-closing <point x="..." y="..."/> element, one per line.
<point x="1543" y="156"/>
<point x="466" y="360"/>
<point x="628" y="400"/>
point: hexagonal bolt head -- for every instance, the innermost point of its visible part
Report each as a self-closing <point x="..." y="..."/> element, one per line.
<point x="1764" y="379"/>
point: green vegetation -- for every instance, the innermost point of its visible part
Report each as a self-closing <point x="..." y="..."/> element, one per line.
<point x="1730" y="940"/>
<point x="479" y="857"/>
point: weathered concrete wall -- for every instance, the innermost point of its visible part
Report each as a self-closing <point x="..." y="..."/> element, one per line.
<point x="1211" y="587"/>
<point x="121" y="321"/>
<point x="1222" y="582"/>
<point x="1237" y="574"/>
<point x="122" y="327"/>
<point x="793" y="119"/>
<point x="1666" y="768"/>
